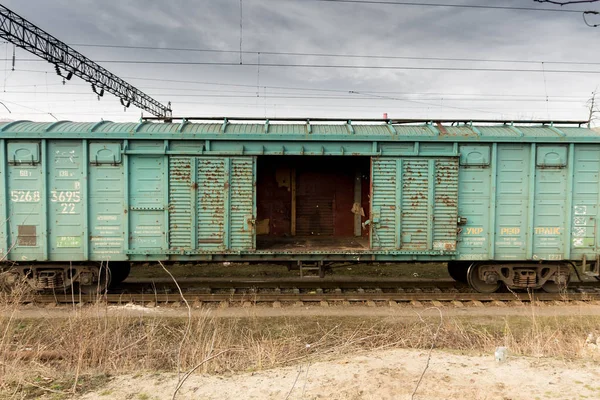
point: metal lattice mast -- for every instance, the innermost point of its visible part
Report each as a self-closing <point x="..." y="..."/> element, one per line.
<point x="26" y="35"/>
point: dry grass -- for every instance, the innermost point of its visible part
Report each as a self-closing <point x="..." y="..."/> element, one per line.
<point x="56" y="357"/>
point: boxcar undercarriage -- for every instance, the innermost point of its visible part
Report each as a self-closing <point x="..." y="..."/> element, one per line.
<point x="484" y="277"/>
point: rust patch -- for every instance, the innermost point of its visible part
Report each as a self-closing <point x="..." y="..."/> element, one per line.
<point x="441" y="128"/>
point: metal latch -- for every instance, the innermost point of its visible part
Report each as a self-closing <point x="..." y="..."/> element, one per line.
<point x="249" y="222"/>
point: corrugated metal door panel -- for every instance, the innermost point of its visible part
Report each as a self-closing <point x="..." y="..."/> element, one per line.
<point x="66" y="208"/>
<point x="384" y="175"/>
<point x="512" y="182"/>
<point x="147" y="203"/>
<point x="242" y="203"/>
<point x="213" y="190"/>
<point x="415" y="204"/>
<point x="586" y="189"/>
<point x="106" y="185"/>
<point x="445" y="213"/>
<point x="25" y="198"/>
<point x="180" y="203"/>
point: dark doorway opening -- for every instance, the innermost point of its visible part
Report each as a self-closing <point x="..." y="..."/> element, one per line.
<point x="309" y="203"/>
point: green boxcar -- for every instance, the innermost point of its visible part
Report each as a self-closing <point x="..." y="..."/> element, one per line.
<point x="501" y="203"/>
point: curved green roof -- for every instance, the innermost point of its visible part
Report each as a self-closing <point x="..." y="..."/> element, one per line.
<point x="264" y="130"/>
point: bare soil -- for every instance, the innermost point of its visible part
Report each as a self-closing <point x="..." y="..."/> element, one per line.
<point x="391" y="374"/>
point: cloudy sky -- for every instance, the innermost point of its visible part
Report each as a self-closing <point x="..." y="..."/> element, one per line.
<point x="413" y="78"/>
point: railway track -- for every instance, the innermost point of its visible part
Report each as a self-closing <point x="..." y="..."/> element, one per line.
<point x="278" y="292"/>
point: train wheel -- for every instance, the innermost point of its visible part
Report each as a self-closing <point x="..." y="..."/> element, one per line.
<point x="553" y="287"/>
<point x="101" y="285"/>
<point x="119" y="271"/>
<point x="458" y="271"/>
<point x="477" y="283"/>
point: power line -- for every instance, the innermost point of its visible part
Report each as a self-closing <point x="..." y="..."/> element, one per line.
<point x="446" y="94"/>
<point x="337" y="55"/>
<point x="342" y="66"/>
<point x="293" y="96"/>
<point x="474" y="6"/>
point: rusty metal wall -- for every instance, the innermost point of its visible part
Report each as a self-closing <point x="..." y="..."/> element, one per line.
<point x="414" y="204"/>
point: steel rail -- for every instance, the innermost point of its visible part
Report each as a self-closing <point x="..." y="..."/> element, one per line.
<point x="311" y="297"/>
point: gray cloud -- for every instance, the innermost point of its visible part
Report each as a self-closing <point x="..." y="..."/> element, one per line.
<point x="311" y="27"/>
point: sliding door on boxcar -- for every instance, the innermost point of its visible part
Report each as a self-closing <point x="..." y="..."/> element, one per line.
<point x="414" y="204"/>
<point x="212" y="204"/>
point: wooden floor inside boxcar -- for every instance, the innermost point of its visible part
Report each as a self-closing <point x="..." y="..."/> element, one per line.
<point x="312" y="243"/>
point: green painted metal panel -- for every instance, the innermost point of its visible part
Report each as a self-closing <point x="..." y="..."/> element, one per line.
<point x="23" y="152"/>
<point x="426" y="149"/>
<point x="551" y="156"/>
<point x="512" y="201"/>
<point x="105" y="153"/>
<point x="24" y="194"/>
<point x="473" y="200"/>
<point x="106" y="188"/>
<point x="67" y="203"/>
<point x="550" y="214"/>
<point x="476" y="155"/>
<point x="3" y="202"/>
<point x="147" y="230"/>
<point x="584" y="209"/>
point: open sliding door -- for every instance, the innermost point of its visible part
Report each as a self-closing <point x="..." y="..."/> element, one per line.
<point x="414" y="204"/>
<point x="212" y="203"/>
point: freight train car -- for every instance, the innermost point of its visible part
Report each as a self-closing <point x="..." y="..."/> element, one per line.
<point x="501" y="203"/>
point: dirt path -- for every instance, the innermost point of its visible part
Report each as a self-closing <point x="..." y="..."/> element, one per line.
<point x="315" y="310"/>
<point x="380" y="375"/>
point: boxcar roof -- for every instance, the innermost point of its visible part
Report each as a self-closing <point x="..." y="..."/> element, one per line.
<point x="277" y="131"/>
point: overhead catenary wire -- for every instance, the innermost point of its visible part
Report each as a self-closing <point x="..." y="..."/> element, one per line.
<point x="366" y="95"/>
<point x="451" y="5"/>
<point x="293" y="88"/>
<point x="343" y="66"/>
<point x="340" y="55"/>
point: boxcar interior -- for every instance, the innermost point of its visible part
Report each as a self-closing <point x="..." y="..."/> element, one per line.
<point x="312" y="203"/>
